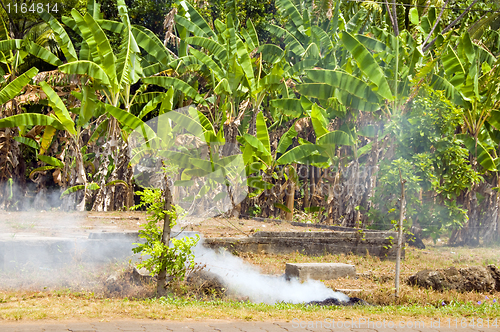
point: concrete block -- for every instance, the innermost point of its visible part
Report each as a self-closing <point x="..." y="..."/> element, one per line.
<point x="319" y="271"/>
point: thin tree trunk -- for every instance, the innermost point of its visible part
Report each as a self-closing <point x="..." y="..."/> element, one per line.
<point x="161" y="285"/>
<point x="290" y="198"/>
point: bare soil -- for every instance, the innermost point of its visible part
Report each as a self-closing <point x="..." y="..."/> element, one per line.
<point x="56" y="223"/>
<point x="211" y="227"/>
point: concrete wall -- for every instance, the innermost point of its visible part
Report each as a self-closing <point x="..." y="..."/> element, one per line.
<point x="312" y="243"/>
<point x="105" y="247"/>
<point x="55" y="252"/>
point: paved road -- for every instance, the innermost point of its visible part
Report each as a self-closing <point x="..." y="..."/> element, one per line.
<point x="237" y="326"/>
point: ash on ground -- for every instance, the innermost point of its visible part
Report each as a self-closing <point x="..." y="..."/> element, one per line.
<point x="333" y="301"/>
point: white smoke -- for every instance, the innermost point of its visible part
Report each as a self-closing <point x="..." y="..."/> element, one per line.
<point x="247" y="280"/>
<point x="212" y="181"/>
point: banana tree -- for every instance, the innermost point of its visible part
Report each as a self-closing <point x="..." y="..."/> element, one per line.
<point x="13" y="53"/>
<point x="469" y="77"/>
<point x="60" y="119"/>
<point x="237" y="82"/>
<point x="266" y="168"/>
<point x="112" y="76"/>
<point x="9" y="163"/>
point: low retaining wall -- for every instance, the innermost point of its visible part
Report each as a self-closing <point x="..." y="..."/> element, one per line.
<point x="108" y="246"/>
<point x="313" y="243"/>
<point x="54" y="252"/>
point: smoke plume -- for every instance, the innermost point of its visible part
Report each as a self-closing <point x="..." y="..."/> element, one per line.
<point x="246" y="280"/>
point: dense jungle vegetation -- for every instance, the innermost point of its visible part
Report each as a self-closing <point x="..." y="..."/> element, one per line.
<point x="332" y="104"/>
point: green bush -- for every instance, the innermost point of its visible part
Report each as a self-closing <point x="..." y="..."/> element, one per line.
<point x="175" y="259"/>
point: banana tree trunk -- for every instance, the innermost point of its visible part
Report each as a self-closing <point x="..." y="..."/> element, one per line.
<point x="12" y="165"/>
<point x="348" y="194"/>
<point x="113" y="166"/>
<point x="74" y="176"/>
<point x="483" y="217"/>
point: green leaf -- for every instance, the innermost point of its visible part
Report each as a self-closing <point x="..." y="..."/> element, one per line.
<point x="290" y="106"/>
<point x="367" y="64"/>
<point x="210" y="45"/>
<point x="286" y="140"/>
<point x="453" y="67"/>
<point x="4" y="33"/>
<point x="316" y="90"/>
<point x="271" y="53"/>
<point x="106" y="56"/>
<point x="319" y="121"/>
<point x="291" y="41"/>
<point x="208" y="61"/>
<point x="42" y="53"/>
<point x="298" y="153"/>
<point x="179" y="85"/>
<point x="414" y="19"/>
<point x="262" y="134"/>
<point x="223" y="87"/>
<point x="469" y="50"/>
<point x="253" y="34"/>
<point x="149" y="42"/>
<point x="257" y="182"/>
<point x="41" y="169"/>
<point x="127" y="64"/>
<point x="484" y="158"/>
<point x="28" y="141"/>
<point x="95" y="186"/>
<point x="61" y="36"/>
<point x="189" y="124"/>
<point x="198" y="20"/>
<point x="30" y="119"/>
<point x="452" y="93"/>
<point x="344" y="81"/>
<point x="152" y="104"/>
<point x="51" y="161"/>
<point x="494" y="119"/>
<point x="131" y="121"/>
<point x="336" y="137"/>
<point x="289" y="10"/>
<point x="11" y="45"/>
<point x="84" y="67"/>
<point x="184" y="183"/>
<point x="13" y="88"/>
<point x="282" y="207"/>
<point x="72" y="190"/>
<point x="258" y="148"/>
<point x="114" y="183"/>
<point x="371" y="43"/>
<point x="245" y="62"/>
<point x="59" y="108"/>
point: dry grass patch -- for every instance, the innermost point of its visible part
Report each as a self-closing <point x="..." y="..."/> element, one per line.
<point x="376" y="277"/>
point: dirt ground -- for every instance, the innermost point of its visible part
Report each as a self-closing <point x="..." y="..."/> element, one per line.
<point x="58" y="223"/>
<point x="211" y="227"/>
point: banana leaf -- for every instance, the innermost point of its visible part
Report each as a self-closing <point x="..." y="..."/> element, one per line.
<point x="367" y="64"/>
<point x="30" y="119"/>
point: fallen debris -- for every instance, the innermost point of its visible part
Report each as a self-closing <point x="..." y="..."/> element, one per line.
<point x="333" y="301"/>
